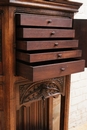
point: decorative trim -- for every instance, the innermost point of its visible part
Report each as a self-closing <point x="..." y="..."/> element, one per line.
<point x="64" y="6"/>
<point x="41" y="90"/>
<point x="43" y="12"/>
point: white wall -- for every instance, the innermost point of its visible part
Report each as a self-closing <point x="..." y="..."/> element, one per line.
<point x="78" y="98"/>
<point x="82" y="14"/>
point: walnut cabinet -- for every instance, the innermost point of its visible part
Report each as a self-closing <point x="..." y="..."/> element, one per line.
<point x="38" y="53"/>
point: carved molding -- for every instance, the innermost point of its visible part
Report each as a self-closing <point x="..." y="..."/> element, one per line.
<point x="43" y="11"/>
<point x="41" y="90"/>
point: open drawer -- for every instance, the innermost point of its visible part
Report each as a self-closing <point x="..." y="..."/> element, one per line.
<point x="44" y="45"/>
<point x="52" y="69"/>
<point x="46" y="56"/>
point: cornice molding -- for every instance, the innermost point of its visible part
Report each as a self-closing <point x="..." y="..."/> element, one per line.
<point x="60" y="5"/>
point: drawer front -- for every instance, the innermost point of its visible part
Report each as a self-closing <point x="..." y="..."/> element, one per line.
<point x="45" y="33"/>
<point x="37" y="57"/>
<point x="41" y="45"/>
<point x="36" y="73"/>
<point x="42" y="20"/>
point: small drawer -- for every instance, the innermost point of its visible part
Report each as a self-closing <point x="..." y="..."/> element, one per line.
<point x="41" y="71"/>
<point x="42" y="20"/>
<point x="0" y="23"/>
<point x="44" y="33"/>
<point x="44" y="45"/>
<point x="38" y="57"/>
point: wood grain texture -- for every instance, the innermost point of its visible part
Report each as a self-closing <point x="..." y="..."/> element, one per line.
<point x="35" y="116"/>
<point x="8" y="68"/>
<point x="56" y="112"/>
<point x="65" y="101"/>
<point x="46" y="56"/>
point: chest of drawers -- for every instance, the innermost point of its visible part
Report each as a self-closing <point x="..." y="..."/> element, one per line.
<point x="46" y="47"/>
<point x="38" y="53"/>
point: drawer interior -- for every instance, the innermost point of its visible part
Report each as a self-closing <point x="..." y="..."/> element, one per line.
<point x="49" y="62"/>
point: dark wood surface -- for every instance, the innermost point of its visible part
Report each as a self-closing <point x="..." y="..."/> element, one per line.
<point x="42" y="20"/>
<point x="44" y="33"/>
<point x="80" y="26"/>
<point x="10" y="120"/>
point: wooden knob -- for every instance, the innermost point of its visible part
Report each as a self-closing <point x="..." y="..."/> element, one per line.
<point x="52" y="33"/>
<point x="59" y="55"/>
<point x="49" y="21"/>
<point x="56" y="44"/>
<point x="62" y="69"/>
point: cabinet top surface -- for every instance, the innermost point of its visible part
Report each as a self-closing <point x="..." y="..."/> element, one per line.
<point x="56" y="4"/>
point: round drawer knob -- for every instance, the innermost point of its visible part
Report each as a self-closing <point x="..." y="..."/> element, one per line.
<point x="49" y="21"/>
<point x="52" y="33"/>
<point x="62" y="69"/>
<point x="59" y="55"/>
<point x="56" y="44"/>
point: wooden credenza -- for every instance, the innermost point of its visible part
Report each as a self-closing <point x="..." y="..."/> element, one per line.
<point x="38" y="53"/>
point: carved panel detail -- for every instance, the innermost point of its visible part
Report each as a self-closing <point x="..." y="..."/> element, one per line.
<point x="41" y="90"/>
